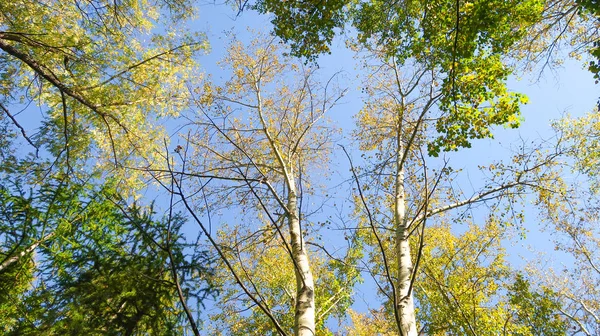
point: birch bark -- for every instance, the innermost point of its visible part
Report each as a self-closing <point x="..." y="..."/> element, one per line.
<point x="305" y="298"/>
<point x="404" y="298"/>
<point x="304" y="320"/>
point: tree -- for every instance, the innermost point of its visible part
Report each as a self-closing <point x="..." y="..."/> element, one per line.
<point x="99" y="73"/>
<point x="539" y="312"/>
<point x="569" y="210"/>
<point x="467" y="288"/>
<point x="258" y="140"/>
<point x="102" y="75"/>
<point x="464" y="273"/>
<point x="409" y="112"/>
<point x="107" y="268"/>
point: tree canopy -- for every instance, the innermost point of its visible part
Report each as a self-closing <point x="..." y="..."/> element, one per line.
<point x="145" y="190"/>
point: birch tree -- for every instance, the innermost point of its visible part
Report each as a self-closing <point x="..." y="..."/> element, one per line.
<point x="398" y="126"/>
<point x="263" y="135"/>
<point x="429" y="91"/>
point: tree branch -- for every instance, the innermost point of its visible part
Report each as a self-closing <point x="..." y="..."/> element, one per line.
<point x="11" y="260"/>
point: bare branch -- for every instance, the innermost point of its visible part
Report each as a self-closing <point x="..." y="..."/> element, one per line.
<point x="262" y="305"/>
<point x="16" y="123"/>
<point x="379" y="241"/>
<point x="11" y="260"/>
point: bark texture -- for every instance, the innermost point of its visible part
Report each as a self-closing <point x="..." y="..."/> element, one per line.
<point x="305" y="288"/>
<point x="404" y="298"/>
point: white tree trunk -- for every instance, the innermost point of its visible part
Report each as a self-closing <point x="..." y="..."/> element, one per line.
<point x="305" y="289"/>
<point x="404" y="299"/>
<point x="304" y="322"/>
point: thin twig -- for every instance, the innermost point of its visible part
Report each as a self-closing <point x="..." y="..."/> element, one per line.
<point x="16" y="123"/>
<point x="379" y="241"/>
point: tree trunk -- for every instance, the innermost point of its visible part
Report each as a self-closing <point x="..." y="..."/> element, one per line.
<point x="304" y="322"/>
<point x="404" y="299"/>
<point x="305" y="289"/>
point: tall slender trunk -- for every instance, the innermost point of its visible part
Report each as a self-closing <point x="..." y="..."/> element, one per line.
<point x="304" y="322"/>
<point x="305" y="289"/>
<point x="404" y="299"/>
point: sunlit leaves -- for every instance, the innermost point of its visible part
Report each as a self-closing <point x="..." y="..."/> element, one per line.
<point x="583" y="134"/>
<point x="107" y="268"/>
<point x="309" y="26"/>
<point x="461" y="271"/>
<point x="537" y="312"/>
<point x="475" y="100"/>
<point x="101" y="72"/>
<point x="462" y="41"/>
